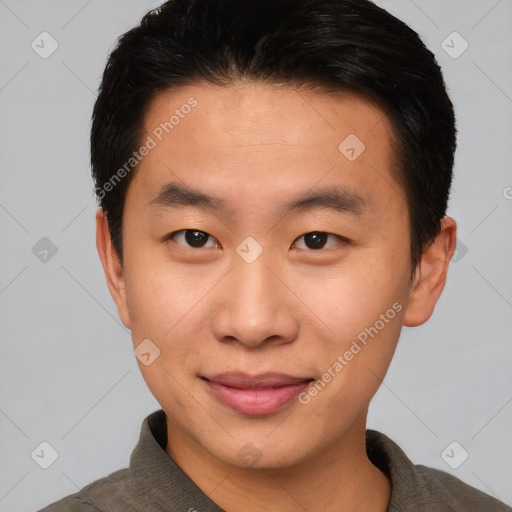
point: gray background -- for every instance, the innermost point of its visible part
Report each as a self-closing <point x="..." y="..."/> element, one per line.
<point x="67" y="371"/>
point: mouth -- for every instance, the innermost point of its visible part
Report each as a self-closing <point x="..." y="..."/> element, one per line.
<point x="257" y="395"/>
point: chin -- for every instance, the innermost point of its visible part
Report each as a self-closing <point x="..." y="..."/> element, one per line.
<point x="263" y="452"/>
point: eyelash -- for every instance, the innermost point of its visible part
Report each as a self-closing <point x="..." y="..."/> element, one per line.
<point x="172" y="235"/>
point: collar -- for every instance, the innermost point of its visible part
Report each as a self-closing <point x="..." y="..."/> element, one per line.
<point x="150" y="464"/>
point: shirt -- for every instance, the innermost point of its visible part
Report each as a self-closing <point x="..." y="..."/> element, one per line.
<point x="153" y="482"/>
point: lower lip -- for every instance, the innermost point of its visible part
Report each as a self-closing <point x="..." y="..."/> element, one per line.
<point x="256" y="402"/>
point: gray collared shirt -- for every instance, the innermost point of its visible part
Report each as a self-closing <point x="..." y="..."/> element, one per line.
<point x="153" y="482"/>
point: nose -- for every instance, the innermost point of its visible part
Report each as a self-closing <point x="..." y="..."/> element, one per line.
<point x="255" y="307"/>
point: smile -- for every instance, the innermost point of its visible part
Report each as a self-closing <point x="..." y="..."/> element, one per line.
<point x="256" y="395"/>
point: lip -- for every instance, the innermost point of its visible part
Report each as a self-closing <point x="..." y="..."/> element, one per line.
<point x="257" y="395"/>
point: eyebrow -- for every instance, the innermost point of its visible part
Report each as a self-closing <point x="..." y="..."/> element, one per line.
<point x="334" y="198"/>
<point x="173" y="195"/>
<point x="339" y="199"/>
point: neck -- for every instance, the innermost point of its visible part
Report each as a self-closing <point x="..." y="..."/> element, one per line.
<point x="342" y="478"/>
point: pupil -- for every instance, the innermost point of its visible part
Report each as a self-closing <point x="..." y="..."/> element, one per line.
<point x="195" y="238"/>
<point x="315" y="239"/>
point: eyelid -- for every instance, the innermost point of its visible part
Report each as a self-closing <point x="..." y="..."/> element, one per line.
<point x="172" y="235"/>
<point x="340" y="238"/>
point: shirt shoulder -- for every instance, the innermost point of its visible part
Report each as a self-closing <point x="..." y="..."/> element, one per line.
<point x="72" y="503"/>
<point x="418" y="488"/>
<point x="456" y="495"/>
<point x="107" y="494"/>
<point x="152" y="481"/>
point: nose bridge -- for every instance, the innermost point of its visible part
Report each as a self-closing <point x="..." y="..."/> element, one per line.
<point x="255" y="285"/>
<point x="255" y="307"/>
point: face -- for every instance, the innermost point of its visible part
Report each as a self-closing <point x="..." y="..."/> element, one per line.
<point x="267" y="260"/>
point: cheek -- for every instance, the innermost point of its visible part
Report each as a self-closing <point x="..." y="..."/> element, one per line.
<point x="165" y="300"/>
<point x="363" y="308"/>
<point x="353" y="296"/>
<point x="157" y="296"/>
<point x="158" y="310"/>
<point x="366" y="321"/>
<point x="161" y="302"/>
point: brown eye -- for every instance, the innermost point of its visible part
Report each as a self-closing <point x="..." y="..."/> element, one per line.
<point x="317" y="240"/>
<point x="192" y="238"/>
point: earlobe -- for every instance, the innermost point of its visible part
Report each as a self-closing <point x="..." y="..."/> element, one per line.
<point x="112" y="268"/>
<point x="430" y="276"/>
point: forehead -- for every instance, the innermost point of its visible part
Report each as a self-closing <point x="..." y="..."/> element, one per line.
<point x="254" y="141"/>
<point x="252" y="113"/>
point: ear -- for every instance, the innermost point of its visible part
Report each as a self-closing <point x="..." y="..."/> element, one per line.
<point x="114" y="273"/>
<point x="430" y="276"/>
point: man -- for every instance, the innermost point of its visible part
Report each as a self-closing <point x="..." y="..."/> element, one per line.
<point x="273" y="178"/>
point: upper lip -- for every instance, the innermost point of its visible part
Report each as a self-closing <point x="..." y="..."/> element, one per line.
<point x="242" y="380"/>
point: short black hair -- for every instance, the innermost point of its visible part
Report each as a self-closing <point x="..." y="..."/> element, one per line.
<point x="334" y="45"/>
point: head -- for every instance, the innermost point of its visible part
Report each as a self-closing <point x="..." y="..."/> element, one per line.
<point x="273" y="178"/>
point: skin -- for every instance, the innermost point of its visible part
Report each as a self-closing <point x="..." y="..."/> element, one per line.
<point x="293" y="310"/>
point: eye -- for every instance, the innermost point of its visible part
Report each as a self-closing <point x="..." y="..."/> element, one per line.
<point x="194" y="238"/>
<point x="317" y="240"/>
